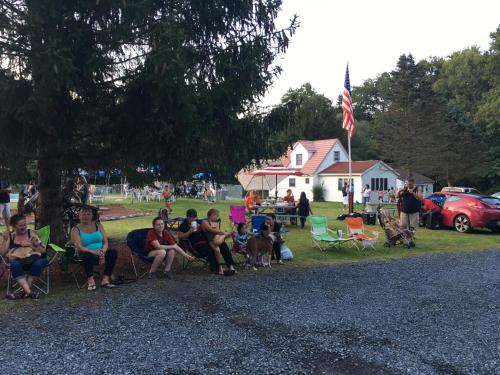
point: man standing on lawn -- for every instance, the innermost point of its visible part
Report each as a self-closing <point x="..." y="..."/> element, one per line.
<point x="345" y="195"/>
<point x="4" y="202"/>
<point x="410" y="206"/>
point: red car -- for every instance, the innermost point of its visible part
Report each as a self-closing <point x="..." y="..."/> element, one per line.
<point x="464" y="211"/>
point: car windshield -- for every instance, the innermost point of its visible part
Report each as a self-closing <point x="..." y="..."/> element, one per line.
<point x="490" y="200"/>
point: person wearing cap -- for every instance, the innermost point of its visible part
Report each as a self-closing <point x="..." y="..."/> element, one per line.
<point x="411" y="203"/>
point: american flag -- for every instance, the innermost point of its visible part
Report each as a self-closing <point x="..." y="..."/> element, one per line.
<point x="348" y="117"/>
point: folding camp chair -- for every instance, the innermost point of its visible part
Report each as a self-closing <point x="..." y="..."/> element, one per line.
<point x="321" y="236"/>
<point x="238" y="251"/>
<point x="71" y="258"/>
<point x="135" y="241"/>
<point x="190" y="247"/>
<point x="357" y="230"/>
<point x="41" y="283"/>
<point x="237" y="215"/>
<point x="171" y="224"/>
<point x="257" y="221"/>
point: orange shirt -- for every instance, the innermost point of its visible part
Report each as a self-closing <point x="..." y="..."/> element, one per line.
<point x="256" y="199"/>
<point x="249" y="202"/>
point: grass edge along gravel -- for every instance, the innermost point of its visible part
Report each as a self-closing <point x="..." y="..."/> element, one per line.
<point x="299" y="240"/>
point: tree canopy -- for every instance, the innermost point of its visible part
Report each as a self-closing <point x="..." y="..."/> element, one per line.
<point x="113" y="83"/>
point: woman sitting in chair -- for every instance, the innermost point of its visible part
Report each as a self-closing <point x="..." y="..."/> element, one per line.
<point x="216" y="238"/>
<point x="91" y="242"/>
<point x="160" y="244"/>
<point x="26" y="256"/>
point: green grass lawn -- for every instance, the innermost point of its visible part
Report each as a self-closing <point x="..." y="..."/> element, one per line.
<point x="299" y="240"/>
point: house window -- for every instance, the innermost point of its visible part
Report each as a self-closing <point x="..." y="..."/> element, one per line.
<point x="298" y="159"/>
<point x="291" y="182"/>
<point x="379" y="184"/>
<point x="342" y="181"/>
<point x="307" y="180"/>
<point x="336" y="155"/>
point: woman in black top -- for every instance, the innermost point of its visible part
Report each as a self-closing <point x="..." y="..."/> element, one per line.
<point x="304" y="209"/>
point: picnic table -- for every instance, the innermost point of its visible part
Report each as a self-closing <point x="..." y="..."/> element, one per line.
<point x="282" y="211"/>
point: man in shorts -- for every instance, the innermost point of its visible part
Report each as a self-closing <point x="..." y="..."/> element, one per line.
<point x="4" y="202"/>
<point x="411" y="203"/>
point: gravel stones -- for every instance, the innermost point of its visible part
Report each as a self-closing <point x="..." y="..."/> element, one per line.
<point x="422" y="315"/>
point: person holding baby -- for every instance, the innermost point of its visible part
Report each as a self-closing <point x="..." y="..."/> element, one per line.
<point x="26" y="256"/>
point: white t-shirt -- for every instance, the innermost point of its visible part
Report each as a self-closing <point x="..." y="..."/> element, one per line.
<point x="366" y="193"/>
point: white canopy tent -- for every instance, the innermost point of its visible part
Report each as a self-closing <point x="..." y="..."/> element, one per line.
<point x="268" y="174"/>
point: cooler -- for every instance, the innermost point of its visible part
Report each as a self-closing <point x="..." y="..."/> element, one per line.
<point x="369" y="218"/>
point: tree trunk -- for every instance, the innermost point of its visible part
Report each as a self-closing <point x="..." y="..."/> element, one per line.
<point x="49" y="183"/>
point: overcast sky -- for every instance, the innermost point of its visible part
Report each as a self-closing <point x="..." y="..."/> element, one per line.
<point x="372" y="34"/>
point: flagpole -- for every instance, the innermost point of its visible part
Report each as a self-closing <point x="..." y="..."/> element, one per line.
<point x="351" y="187"/>
<point x="348" y="124"/>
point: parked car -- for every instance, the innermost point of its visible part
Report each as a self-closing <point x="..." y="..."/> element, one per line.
<point x="464" y="211"/>
<point x="456" y="189"/>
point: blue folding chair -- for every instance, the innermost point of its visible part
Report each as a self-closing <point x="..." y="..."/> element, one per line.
<point x="257" y="221"/>
<point x="135" y="241"/>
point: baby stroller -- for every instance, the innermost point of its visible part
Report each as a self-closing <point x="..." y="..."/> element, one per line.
<point x="394" y="234"/>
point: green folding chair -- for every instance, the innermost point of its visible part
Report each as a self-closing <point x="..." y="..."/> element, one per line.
<point x="322" y="235"/>
<point x="42" y="283"/>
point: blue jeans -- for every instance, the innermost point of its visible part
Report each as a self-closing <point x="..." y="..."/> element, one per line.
<point x="34" y="269"/>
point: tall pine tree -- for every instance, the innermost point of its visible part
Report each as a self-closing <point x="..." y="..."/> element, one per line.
<point x="138" y="82"/>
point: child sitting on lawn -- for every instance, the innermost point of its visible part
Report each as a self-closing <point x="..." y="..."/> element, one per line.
<point x="241" y="237"/>
<point x="240" y="240"/>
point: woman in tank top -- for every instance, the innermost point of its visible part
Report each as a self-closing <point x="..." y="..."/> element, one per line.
<point x="91" y="242"/>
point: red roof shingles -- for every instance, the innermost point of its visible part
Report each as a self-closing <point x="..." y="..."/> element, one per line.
<point x="343" y="167"/>
<point x="308" y="145"/>
<point x="285" y="159"/>
<point x="319" y="149"/>
<point x="322" y="147"/>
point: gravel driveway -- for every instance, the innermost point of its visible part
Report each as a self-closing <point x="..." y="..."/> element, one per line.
<point x="423" y="315"/>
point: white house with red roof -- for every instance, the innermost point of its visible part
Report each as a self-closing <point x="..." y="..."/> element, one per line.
<point x="309" y="157"/>
<point x="325" y="162"/>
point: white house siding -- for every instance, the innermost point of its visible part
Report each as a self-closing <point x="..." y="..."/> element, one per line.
<point x="299" y="149"/>
<point x="331" y="183"/>
<point x="379" y="171"/>
<point x="300" y="186"/>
